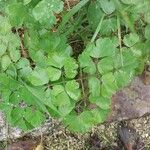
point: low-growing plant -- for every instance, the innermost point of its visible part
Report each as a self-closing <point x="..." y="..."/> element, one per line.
<point x="67" y="63"/>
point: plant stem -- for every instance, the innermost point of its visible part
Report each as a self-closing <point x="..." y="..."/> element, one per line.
<point x="97" y="29"/>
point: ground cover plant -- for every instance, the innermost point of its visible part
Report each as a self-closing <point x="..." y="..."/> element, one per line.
<point x="66" y="63"/>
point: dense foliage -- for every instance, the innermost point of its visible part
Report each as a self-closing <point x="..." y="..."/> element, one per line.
<point x="67" y="63"/>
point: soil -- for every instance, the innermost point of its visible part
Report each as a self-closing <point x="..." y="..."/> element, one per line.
<point x="102" y="137"/>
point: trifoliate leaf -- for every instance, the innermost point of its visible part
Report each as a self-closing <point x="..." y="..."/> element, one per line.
<point x="5" y="62"/>
<point x="38" y="77"/>
<point x="105" y="47"/>
<point x="72" y="89"/>
<point x="44" y="11"/>
<point x="54" y="74"/>
<point x="147" y="32"/>
<point x="70" y="67"/>
<point x="105" y="65"/>
<point x="131" y="39"/>
<point x="107" y="6"/>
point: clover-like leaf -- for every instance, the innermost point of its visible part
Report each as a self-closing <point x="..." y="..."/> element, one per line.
<point x="44" y="11"/>
<point x="94" y="14"/>
<point x="5" y="62"/>
<point x="34" y="117"/>
<point x="72" y="89"/>
<point x="5" y="26"/>
<point x="70" y="67"/>
<point x="94" y="86"/>
<point x="86" y="63"/>
<point x="109" y="85"/>
<point x="53" y="73"/>
<point x="17" y="13"/>
<point x="131" y="39"/>
<point x="107" y="6"/>
<point x="105" y="47"/>
<point x="105" y="65"/>
<point x="38" y="77"/>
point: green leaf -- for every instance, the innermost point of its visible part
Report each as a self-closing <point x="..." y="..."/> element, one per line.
<point x="15" y="54"/>
<point x="22" y="63"/>
<point x="33" y="96"/>
<point x="38" y="77"/>
<point x="34" y="117"/>
<point x="3" y="49"/>
<point x="5" y="26"/>
<point x="107" y="6"/>
<point x="25" y="2"/>
<point x="70" y="67"/>
<point x="54" y="74"/>
<point x="81" y="123"/>
<point x="17" y="13"/>
<point x="100" y="115"/>
<point x="72" y="89"/>
<point x="5" y="62"/>
<point x="109" y="85"/>
<point x="104" y="47"/>
<point x="8" y="82"/>
<point x="102" y="102"/>
<point x="108" y="26"/>
<point x="123" y="78"/>
<point x="60" y="97"/>
<point x="147" y="32"/>
<point x="94" y="86"/>
<point x="105" y="65"/>
<point x="131" y="39"/>
<point x="44" y="11"/>
<point x="94" y="14"/>
<point x="86" y="63"/>
<point x="56" y="60"/>
<point x="15" y="98"/>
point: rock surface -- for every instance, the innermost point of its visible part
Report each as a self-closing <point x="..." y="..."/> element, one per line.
<point x="131" y="102"/>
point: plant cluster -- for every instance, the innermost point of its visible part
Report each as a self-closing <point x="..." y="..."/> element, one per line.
<point x="42" y="74"/>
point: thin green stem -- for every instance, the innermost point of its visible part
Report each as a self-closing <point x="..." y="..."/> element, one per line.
<point x="97" y="29"/>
